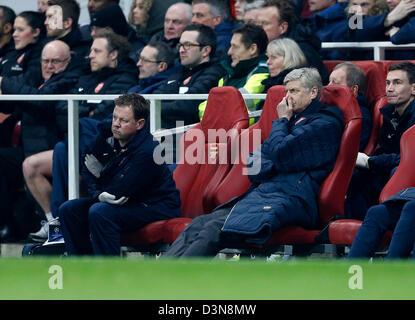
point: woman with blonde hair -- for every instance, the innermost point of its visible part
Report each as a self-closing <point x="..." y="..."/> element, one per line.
<point x="284" y="55"/>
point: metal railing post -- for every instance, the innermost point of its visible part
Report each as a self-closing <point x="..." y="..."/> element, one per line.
<point x="155" y="114"/>
<point x="73" y="150"/>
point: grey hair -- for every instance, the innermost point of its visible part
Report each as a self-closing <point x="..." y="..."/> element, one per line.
<point x="293" y="55"/>
<point x="187" y="9"/>
<point x="216" y="8"/>
<point x="308" y="77"/>
<point x="254" y="5"/>
<point x="354" y="75"/>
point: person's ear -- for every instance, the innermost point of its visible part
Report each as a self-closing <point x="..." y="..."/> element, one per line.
<point x="283" y="27"/>
<point x="355" y="89"/>
<point x="253" y="50"/>
<point x="67" y="23"/>
<point x="313" y="93"/>
<point x="413" y="89"/>
<point x="206" y="50"/>
<point x="140" y="124"/>
<point x="7" y="28"/>
<point x="114" y="55"/>
<point x="162" y="66"/>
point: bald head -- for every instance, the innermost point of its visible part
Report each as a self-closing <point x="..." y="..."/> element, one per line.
<point x="55" y="58"/>
<point x="178" y="16"/>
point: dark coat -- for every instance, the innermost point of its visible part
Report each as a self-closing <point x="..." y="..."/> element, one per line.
<point x="39" y="130"/>
<point x="200" y="79"/>
<point x="148" y="85"/>
<point x="387" y="154"/>
<point x="77" y="44"/>
<point x="331" y="25"/>
<point x="25" y="61"/>
<point x="106" y="81"/>
<point x="310" y="44"/>
<point x="131" y="171"/>
<point x="6" y="48"/>
<point x="366" y="122"/>
<point x="294" y="161"/>
<point x="223" y="37"/>
<point x="374" y="30"/>
<point x="407" y="194"/>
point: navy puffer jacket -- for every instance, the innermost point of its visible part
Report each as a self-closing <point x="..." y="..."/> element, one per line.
<point x="294" y="161"/>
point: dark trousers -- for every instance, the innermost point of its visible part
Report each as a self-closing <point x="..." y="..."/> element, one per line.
<point x="60" y="177"/>
<point x="87" y="132"/>
<point x="91" y="227"/>
<point x="11" y="180"/>
<point x="363" y="192"/>
<point x="396" y="215"/>
<point x="203" y="236"/>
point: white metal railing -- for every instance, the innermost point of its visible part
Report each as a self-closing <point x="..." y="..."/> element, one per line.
<point x="73" y="124"/>
<point x="378" y="47"/>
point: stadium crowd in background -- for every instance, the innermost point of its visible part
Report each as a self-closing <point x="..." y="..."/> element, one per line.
<point x="184" y="47"/>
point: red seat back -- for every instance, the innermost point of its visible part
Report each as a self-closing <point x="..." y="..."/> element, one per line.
<point x="376" y="125"/>
<point x="333" y="190"/>
<point x="237" y="182"/>
<point x="404" y="176"/>
<point x="387" y="63"/>
<point x="375" y="78"/>
<point x="206" y="156"/>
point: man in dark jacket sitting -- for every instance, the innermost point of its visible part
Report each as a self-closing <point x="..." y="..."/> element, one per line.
<point x="39" y="132"/>
<point x="373" y="172"/>
<point x="285" y="183"/>
<point x="112" y="72"/>
<point x="198" y="74"/>
<point x="156" y="64"/>
<point x="351" y="75"/>
<point x="126" y="188"/>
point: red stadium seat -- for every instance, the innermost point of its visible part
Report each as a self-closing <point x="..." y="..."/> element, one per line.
<point x="225" y="110"/>
<point x="376" y="125"/>
<point x="332" y="193"/>
<point x="388" y="63"/>
<point x="333" y="190"/>
<point x="343" y="231"/>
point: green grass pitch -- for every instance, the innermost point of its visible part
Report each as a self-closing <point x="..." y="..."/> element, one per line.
<point x="116" y="278"/>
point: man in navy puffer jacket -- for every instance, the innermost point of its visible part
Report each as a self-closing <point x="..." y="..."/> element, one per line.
<point x="293" y="162"/>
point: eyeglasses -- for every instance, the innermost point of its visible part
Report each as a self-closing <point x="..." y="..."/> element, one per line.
<point x="147" y="60"/>
<point x="53" y="61"/>
<point x="187" y="45"/>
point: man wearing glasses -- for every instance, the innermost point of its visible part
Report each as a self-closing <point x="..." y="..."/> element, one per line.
<point x="156" y="64"/>
<point x="38" y="128"/>
<point x="198" y="74"/>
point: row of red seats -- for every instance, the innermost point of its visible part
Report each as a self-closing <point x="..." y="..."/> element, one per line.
<point x="204" y="186"/>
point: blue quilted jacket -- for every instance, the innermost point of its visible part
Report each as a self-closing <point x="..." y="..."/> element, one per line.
<point x="294" y="161"/>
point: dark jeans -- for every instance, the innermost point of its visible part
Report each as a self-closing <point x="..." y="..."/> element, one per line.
<point x="380" y="218"/>
<point x="204" y="236"/>
<point x="91" y="227"/>
<point x="11" y="180"/>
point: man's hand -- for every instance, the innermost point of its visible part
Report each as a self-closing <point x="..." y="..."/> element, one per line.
<point x="403" y="9"/>
<point x="93" y="165"/>
<point x="285" y="109"/>
<point x="391" y="31"/>
<point x="362" y="160"/>
<point x="110" y="198"/>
